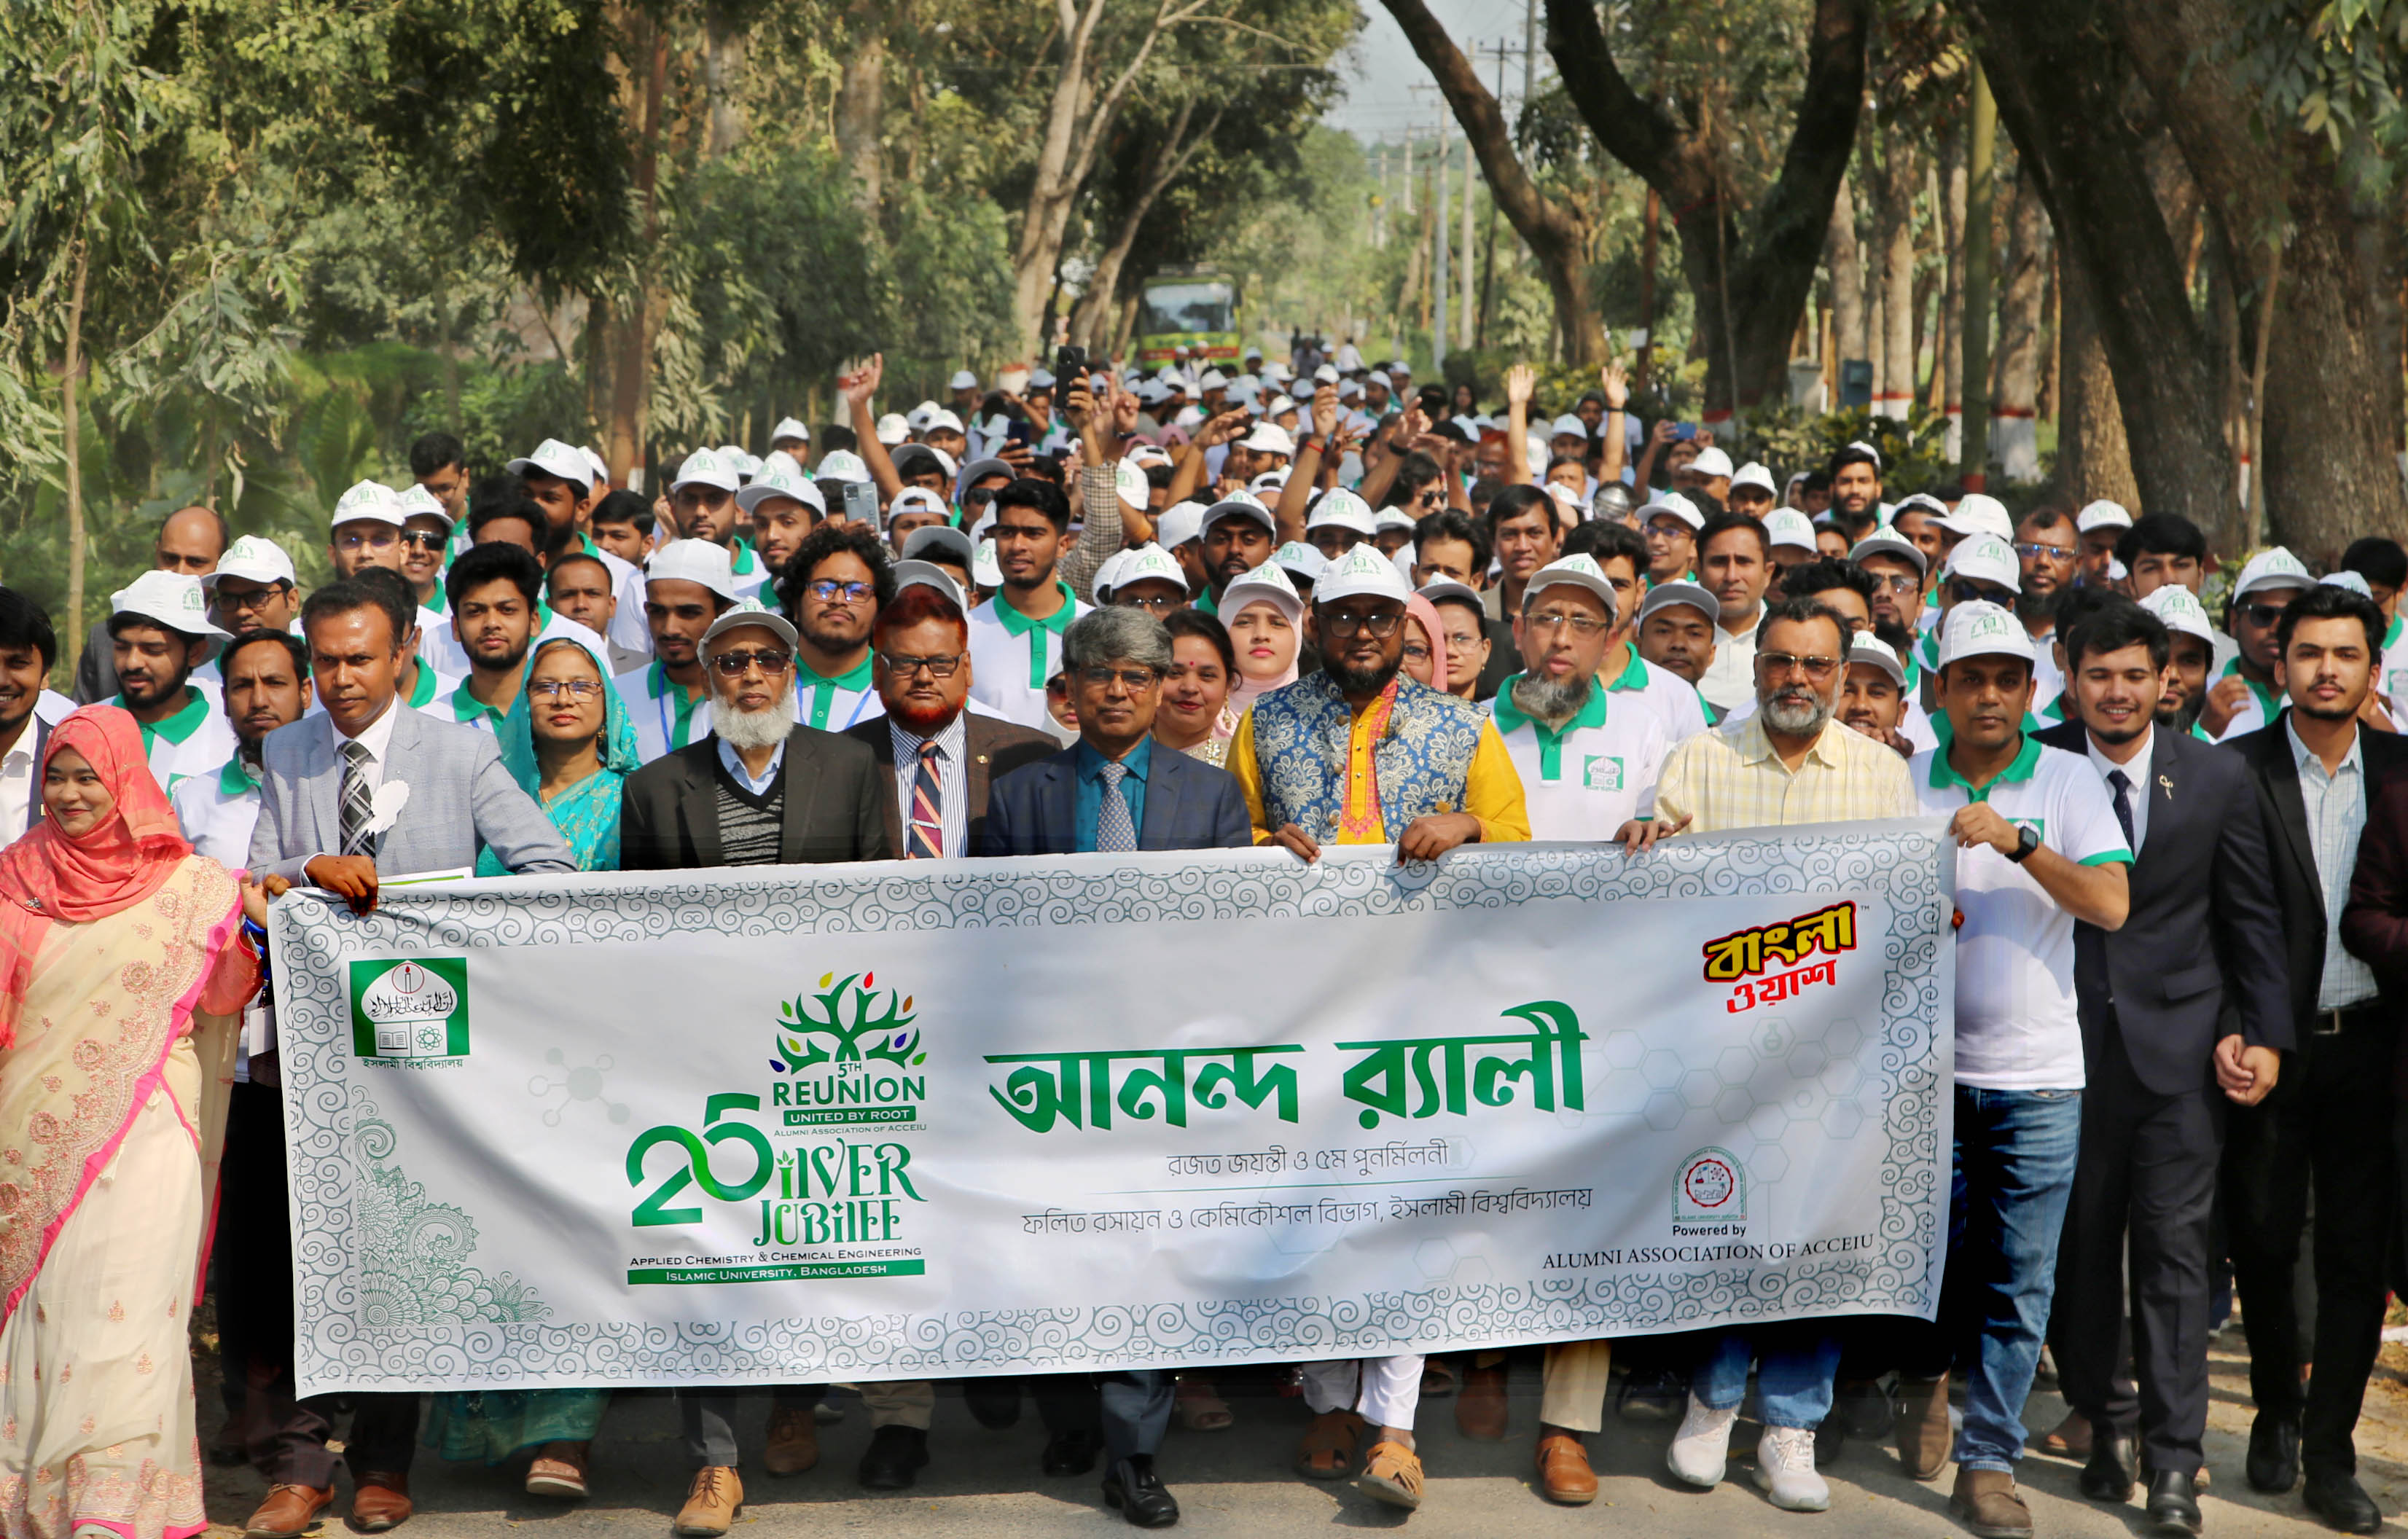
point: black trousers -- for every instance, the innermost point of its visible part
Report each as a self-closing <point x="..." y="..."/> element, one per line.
<point x="2327" y="1127"/>
<point x="285" y="1438"/>
<point x="2145" y="1187"/>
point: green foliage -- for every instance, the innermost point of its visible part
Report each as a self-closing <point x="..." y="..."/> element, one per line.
<point x="1914" y="453"/>
<point x="2336" y="69"/>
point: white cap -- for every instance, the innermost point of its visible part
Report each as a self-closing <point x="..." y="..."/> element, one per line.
<point x="1359" y="572"/>
<point x="780" y="476"/>
<point x="1147" y="456"/>
<point x="1344" y="509"/>
<point x="1152" y="392"/>
<point x="1236" y="506"/>
<point x="172" y="599"/>
<point x="1149" y="563"/>
<point x="693" y="560"/>
<point x="708" y="467"/>
<point x="1751" y="474"/>
<point x="253" y="559"/>
<point x="923" y="545"/>
<point x="2180" y="609"/>
<point x="1863" y="447"/>
<point x="1213" y="379"/>
<point x="1168" y="375"/>
<point x="1325" y="375"/>
<point x="843" y="464"/>
<point x="1129" y="483"/>
<point x="917" y="499"/>
<point x="1567" y="426"/>
<point x="1179" y="523"/>
<point x="985" y="570"/>
<point x="1711" y="461"/>
<point x="1276" y="374"/>
<point x="2102" y="514"/>
<point x="1982" y="630"/>
<point x="892" y="429"/>
<point x="920" y="415"/>
<point x="1678" y="505"/>
<point x="601" y="470"/>
<point x="2350" y="581"/>
<point x="562" y="462"/>
<point x="1271" y="438"/>
<point x="1038" y="378"/>
<point x="791" y="427"/>
<point x="1916" y="502"/>
<point x="371" y="502"/>
<point x="1881" y="543"/>
<point x="1985" y="557"/>
<point x="1280" y="405"/>
<point x="1301" y="559"/>
<point x="1977" y="513"/>
<point x="1392" y="518"/>
<point x="1788" y="526"/>
<point x="750" y="612"/>
<point x="1265" y="584"/>
<point x="2275" y="568"/>
<point x="1575" y="570"/>
<point x="941" y="418"/>
<point x="1269" y="480"/>
<point x="923" y="573"/>
<point x="962" y="380"/>
<point x="1350" y="390"/>
<point x="1871" y="649"/>
<point x="419" y="503"/>
<point x="1447" y="588"/>
<point x="1666" y="595"/>
<point x="1107" y="576"/>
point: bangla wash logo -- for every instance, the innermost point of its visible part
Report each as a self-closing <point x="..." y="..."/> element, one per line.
<point x="846" y="1055"/>
<point x="415" y="1008"/>
<point x="1712" y="1190"/>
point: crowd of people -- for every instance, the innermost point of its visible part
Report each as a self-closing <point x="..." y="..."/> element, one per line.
<point x="1200" y="607"/>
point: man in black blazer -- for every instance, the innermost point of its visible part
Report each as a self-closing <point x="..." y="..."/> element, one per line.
<point x="2328" y="1123"/>
<point x="759" y="791"/>
<point x="2183" y="1007"/>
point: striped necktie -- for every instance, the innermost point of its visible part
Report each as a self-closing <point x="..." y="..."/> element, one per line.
<point x="359" y="805"/>
<point x="927" y="841"/>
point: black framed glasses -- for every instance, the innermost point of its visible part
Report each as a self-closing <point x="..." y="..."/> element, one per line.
<point x="422" y="539"/>
<point x="580" y="689"/>
<point x="1345" y="626"/>
<point x="1584" y="626"/>
<point x="935" y="667"/>
<point x="828" y="590"/>
<point x="731" y="664"/>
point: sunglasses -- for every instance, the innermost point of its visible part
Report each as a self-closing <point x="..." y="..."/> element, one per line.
<point x="422" y="539"/>
<point x="731" y="664"/>
<point x="2263" y="615"/>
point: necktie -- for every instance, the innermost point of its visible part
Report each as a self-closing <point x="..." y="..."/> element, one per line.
<point x="2122" y="789"/>
<point x="927" y="808"/>
<point x="358" y="804"/>
<point x="1114" y="833"/>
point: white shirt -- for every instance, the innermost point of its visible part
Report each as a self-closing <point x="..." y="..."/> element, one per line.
<point x="1001" y="668"/>
<point x="653" y="699"/>
<point x="217" y="813"/>
<point x="183" y="746"/>
<point x="1730" y="677"/>
<point x="734" y="763"/>
<point x="2136" y="774"/>
<point x="952" y="777"/>
<point x="1674" y="699"/>
<point x="17" y="783"/>
<point x="2016" y="1026"/>
<point x="1596" y="774"/>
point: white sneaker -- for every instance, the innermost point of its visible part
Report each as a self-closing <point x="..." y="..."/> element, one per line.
<point x="1703" y="1445"/>
<point x="1784" y="1467"/>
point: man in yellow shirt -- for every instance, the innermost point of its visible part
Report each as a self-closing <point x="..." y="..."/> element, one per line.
<point x="1343" y="756"/>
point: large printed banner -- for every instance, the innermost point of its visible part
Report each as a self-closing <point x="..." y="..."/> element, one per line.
<point x="920" y="1120"/>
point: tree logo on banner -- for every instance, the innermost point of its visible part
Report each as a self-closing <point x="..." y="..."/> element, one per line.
<point x="846" y="1055"/>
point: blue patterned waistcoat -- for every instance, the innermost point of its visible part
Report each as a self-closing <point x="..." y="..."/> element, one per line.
<point x="1301" y="732"/>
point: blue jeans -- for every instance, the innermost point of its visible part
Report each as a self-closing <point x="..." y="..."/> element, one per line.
<point x="1795" y="1360"/>
<point x="2013" y="1172"/>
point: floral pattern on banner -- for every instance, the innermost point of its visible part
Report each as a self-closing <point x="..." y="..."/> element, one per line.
<point x="414" y="1253"/>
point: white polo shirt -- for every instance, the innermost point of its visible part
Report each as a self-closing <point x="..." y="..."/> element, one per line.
<point x="2262" y="706"/>
<point x="217" y="813"/>
<point x="195" y="741"/>
<point x="657" y="707"/>
<point x="2016" y="1026"/>
<point x="1673" y="700"/>
<point x="1595" y="775"/>
<point x="832" y="704"/>
<point x="1011" y="657"/>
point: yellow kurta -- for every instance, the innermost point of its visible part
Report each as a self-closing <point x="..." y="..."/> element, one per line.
<point x="1492" y="788"/>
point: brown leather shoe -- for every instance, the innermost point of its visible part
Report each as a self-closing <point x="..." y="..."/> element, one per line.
<point x="288" y="1510"/>
<point x="2070" y="1439"/>
<point x="559" y="1471"/>
<point x="712" y="1503"/>
<point x="1564" y="1475"/>
<point x="1990" y="1505"/>
<point x="1480" y="1410"/>
<point x="793" y="1441"/>
<point x="381" y="1501"/>
<point x="1923" y="1438"/>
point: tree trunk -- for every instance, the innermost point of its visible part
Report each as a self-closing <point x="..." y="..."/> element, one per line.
<point x="631" y="347"/>
<point x="71" y="413"/>
<point x="860" y="109"/>
<point x="724" y="82"/>
<point x="1166" y="156"/>
<point x="1840" y="255"/>
<point x="1766" y="268"/>
<point x="1555" y="230"/>
<point x="2015" y="407"/>
<point x="1901" y="176"/>
<point x="1948" y="359"/>
<point x="2093" y="457"/>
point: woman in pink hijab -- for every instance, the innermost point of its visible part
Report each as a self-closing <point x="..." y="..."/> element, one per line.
<point x="1425" y="644"/>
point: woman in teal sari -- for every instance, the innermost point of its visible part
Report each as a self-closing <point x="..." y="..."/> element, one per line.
<point x="571" y="747"/>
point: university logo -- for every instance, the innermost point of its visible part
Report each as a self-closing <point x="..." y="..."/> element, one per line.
<point x="1712" y="1189"/>
<point x="846" y="1055"/>
<point x="413" y="1009"/>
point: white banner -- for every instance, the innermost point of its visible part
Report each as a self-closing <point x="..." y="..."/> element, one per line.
<point x="918" y="1120"/>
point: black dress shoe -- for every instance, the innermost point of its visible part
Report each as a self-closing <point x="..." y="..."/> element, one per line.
<point x="2108" y="1476"/>
<point x="994" y="1402"/>
<point x="1654" y="1394"/>
<point x="1139" y="1493"/>
<point x="2343" y="1504"/>
<point x="2173" y="1505"/>
<point x="1072" y="1452"/>
<point x="2273" y="1453"/>
<point x="895" y="1457"/>
<point x="1864" y="1409"/>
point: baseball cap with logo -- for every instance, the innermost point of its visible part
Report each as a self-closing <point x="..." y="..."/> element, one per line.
<point x="1676" y="504"/>
<point x="253" y="560"/>
<point x="843" y="464"/>
<point x="707" y="467"/>
<point x="1301" y="560"/>
<point x="962" y="380"/>
<point x="2102" y="514"/>
<point x="917" y="499"/>
<point x="941" y="540"/>
<point x="1977" y="513"/>
<point x="693" y="560"/>
<point x="744" y="612"/>
<point x="928" y="575"/>
<point x="1149" y="563"/>
<point x="1344" y="509"/>
<point x="559" y="461"/>
<point x="1271" y="438"/>
<point x="1712" y="461"/>
<point x="1179" y="523"/>
<point x="1666" y="595"/>
<point x="1788" y="526"/>
<point x="2350" y="581"/>
<point x="780" y="476"/>
<point x="790" y="427"/>
<point x="1883" y="543"/>
<point x="1981" y="629"/>
<point x="1985" y="557"/>
<point x="169" y="599"/>
<point x="1753" y="474"/>
<point x="2272" y="568"/>
<point x="1265" y="584"/>
<point x="1239" y="505"/>
<point x="985" y="570"/>
<point x="369" y="502"/>
<point x="419" y="503"/>
<point x="1361" y="572"/>
<point x="1870" y="648"/>
<point x="2180" y="609"/>
<point x="1575" y="570"/>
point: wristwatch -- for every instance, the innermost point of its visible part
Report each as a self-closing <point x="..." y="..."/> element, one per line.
<point x="2026" y="842"/>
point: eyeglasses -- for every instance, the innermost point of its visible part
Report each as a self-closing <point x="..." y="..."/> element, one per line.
<point x="1969" y="593"/>
<point x="257" y="598"/>
<point x="977" y="496"/>
<point x="1415" y="652"/>
<point x="1161" y="603"/>
<point x="576" y="689"/>
<point x="1345" y="626"/>
<point x="2045" y="552"/>
<point x="731" y="664"/>
<point x="2263" y="615"/>
<point x="422" y="539"/>
<point x="1101" y="677"/>
<point x="373" y="539"/>
<point x="1428" y="497"/>
<point x="1781" y="664"/>
<point x="1584" y="626"/>
<point x="937" y="667"/>
<point x="828" y="590"/>
<point x="1667" y="530"/>
<point x="1900" y="583"/>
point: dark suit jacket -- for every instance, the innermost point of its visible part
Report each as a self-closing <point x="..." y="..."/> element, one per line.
<point x="668" y="815"/>
<point x="2201" y="956"/>
<point x="1189" y="805"/>
<point x="2297" y="893"/>
<point x="995" y="748"/>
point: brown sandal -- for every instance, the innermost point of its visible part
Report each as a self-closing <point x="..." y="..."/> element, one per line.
<point x="1392" y="1473"/>
<point x="1200" y="1410"/>
<point x="1327" y="1451"/>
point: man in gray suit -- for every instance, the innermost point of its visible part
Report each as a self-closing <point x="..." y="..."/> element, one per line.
<point x="369" y="788"/>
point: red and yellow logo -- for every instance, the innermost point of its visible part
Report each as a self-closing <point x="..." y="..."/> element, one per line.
<point x="1748" y="952"/>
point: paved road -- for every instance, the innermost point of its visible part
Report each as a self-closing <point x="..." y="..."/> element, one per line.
<point x="985" y="1485"/>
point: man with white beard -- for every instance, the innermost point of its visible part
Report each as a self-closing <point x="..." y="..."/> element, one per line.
<point x="725" y="800"/>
